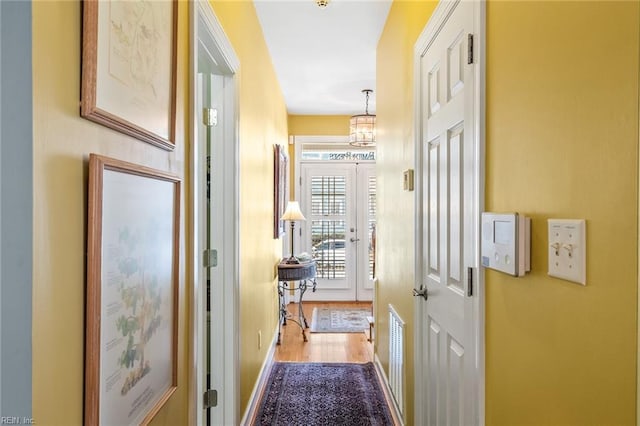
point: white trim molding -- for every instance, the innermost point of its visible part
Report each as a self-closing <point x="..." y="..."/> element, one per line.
<point x="258" y="389"/>
<point x="384" y="380"/>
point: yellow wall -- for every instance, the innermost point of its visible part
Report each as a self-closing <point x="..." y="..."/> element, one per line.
<point x="62" y="143"/>
<point x="562" y="141"/>
<point x="396" y="153"/>
<point x="263" y="123"/>
<point x="313" y="125"/>
<point x="319" y="125"/>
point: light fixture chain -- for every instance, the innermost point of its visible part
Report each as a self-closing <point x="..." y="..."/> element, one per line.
<point x="366" y="108"/>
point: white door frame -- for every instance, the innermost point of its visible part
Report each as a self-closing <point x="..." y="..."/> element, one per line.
<point x="207" y="36"/>
<point x="433" y="27"/>
<point x="299" y="142"/>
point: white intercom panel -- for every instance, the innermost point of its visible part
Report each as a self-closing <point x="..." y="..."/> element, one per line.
<point x="506" y="242"/>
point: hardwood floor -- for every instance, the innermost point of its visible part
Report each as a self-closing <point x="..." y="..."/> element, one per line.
<point x="323" y="347"/>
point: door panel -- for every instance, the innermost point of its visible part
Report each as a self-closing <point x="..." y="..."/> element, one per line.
<point x="454" y="224"/>
<point x="433" y="209"/>
<point x="433" y="352"/>
<point x="327" y="202"/>
<point x="366" y="244"/>
<point x="449" y="229"/>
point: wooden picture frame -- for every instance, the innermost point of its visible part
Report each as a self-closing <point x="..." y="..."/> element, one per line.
<point x="280" y="183"/>
<point x="129" y="67"/>
<point x="132" y="292"/>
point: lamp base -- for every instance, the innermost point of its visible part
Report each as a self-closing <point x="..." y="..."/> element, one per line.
<point x="292" y="260"/>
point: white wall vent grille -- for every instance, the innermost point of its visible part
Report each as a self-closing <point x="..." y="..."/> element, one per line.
<point x="396" y="358"/>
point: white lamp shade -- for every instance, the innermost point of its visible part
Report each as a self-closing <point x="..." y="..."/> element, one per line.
<point x="293" y="212"/>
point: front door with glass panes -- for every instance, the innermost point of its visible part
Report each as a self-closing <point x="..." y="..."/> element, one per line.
<point x="338" y="200"/>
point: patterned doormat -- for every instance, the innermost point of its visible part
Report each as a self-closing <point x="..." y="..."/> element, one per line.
<point x="339" y="320"/>
<point x="323" y="394"/>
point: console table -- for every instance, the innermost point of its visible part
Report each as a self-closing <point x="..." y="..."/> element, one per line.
<point x="304" y="273"/>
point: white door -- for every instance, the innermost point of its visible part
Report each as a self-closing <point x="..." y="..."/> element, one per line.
<point x="336" y="200"/>
<point x="366" y="225"/>
<point x="447" y="358"/>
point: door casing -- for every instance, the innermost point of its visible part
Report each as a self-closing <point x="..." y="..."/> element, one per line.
<point x="210" y="49"/>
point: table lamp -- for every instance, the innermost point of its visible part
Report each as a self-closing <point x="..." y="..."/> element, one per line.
<point x="292" y="214"/>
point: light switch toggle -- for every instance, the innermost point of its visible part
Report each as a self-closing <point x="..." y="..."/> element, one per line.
<point x="569" y="249"/>
<point x="556" y="248"/>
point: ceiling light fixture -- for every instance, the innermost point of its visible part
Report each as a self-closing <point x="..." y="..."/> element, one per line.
<point x="322" y="3"/>
<point x="362" y="127"/>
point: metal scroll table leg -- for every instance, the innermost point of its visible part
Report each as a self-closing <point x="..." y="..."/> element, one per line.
<point x="301" y="317"/>
<point x="282" y="320"/>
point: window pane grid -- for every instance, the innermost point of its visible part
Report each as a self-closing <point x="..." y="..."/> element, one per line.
<point x="328" y="195"/>
<point x="328" y="248"/>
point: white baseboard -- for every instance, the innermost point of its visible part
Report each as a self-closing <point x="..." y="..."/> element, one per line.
<point x="387" y="390"/>
<point x="261" y="383"/>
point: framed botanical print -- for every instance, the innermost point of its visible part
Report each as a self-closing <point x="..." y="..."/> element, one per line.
<point x="132" y="292"/>
<point x="129" y="67"/>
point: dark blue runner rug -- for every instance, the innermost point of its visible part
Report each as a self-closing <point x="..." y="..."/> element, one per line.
<point x="323" y="394"/>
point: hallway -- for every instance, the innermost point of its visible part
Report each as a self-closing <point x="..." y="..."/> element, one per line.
<point x="559" y="126"/>
<point x="323" y="347"/>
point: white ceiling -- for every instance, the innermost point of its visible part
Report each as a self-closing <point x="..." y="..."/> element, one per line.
<point x="324" y="58"/>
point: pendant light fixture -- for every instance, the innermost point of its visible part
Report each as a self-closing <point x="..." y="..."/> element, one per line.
<point x="362" y="127"/>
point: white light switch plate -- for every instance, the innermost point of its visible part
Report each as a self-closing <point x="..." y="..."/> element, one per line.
<point x="568" y="249"/>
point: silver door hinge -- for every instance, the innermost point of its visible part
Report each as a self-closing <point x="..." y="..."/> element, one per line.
<point x="470" y="49"/>
<point x="469" y="281"/>
<point x="209" y="116"/>
<point x="210" y="258"/>
<point x="210" y="398"/>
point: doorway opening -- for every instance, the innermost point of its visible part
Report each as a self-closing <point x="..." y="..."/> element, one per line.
<point x="337" y="193"/>
<point x="215" y="207"/>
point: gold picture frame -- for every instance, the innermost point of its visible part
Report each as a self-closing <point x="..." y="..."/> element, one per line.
<point x="132" y="292"/>
<point x="129" y="68"/>
<point x="280" y="182"/>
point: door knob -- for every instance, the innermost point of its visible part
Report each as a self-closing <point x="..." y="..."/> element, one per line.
<point x="353" y="240"/>
<point x="421" y="292"/>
